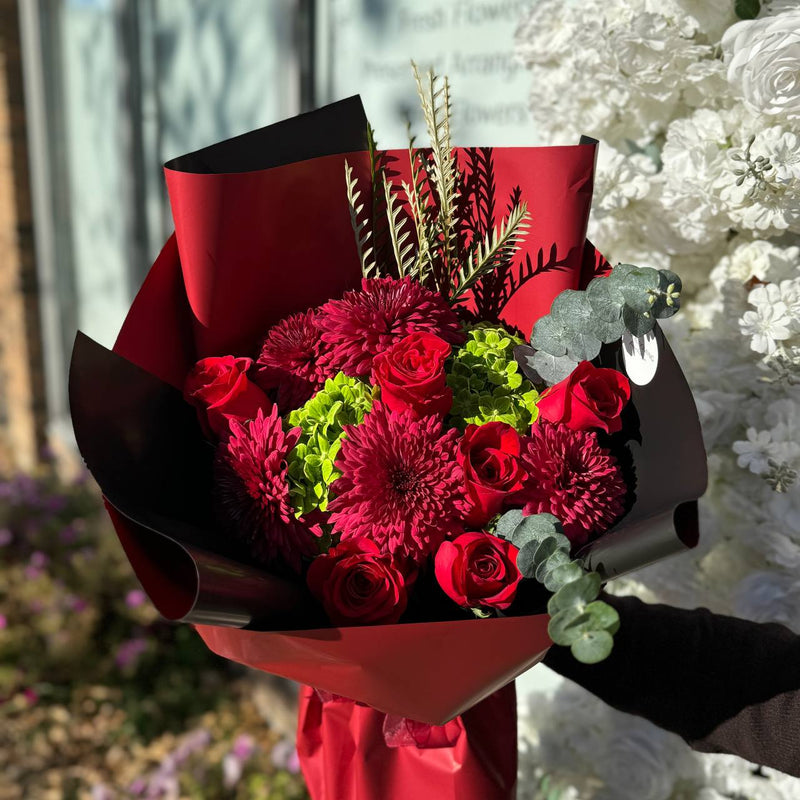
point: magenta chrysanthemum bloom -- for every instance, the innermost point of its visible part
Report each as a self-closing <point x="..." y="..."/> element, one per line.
<point x="572" y="477"/>
<point x="401" y="485"/>
<point x="368" y="321"/>
<point x="290" y="360"/>
<point x="252" y="495"/>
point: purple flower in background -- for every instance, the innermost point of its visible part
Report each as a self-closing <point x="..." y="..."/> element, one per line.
<point x="129" y="651"/>
<point x="54" y="503"/>
<point x="3" y="622"/>
<point x="284" y="756"/>
<point x="36" y="564"/>
<point x="101" y="792"/>
<point x="6" y="537"/>
<point x="137" y="787"/>
<point x="233" y="763"/>
<point x="68" y="534"/>
<point x="135" y="598"/>
<point x="76" y="604"/>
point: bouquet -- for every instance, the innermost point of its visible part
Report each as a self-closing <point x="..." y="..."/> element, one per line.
<point x="324" y="441"/>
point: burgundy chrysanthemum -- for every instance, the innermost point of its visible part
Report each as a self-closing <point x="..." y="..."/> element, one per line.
<point x="401" y="485"/>
<point x="572" y="477"/>
<point x="290" y="360"/>
<point x="252" y="495"/>
<point x="368" y="321"/>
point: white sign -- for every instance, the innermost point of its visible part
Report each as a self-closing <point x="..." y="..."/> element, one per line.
<point x="366" y="46"/>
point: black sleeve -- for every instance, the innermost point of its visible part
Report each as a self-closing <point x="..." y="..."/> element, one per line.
<point x="725" y="685"/>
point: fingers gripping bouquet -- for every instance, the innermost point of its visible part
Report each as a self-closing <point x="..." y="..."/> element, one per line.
<point x="342" y="462"/>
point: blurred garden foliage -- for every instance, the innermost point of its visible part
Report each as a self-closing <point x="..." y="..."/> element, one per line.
<point x="100" y="698"/>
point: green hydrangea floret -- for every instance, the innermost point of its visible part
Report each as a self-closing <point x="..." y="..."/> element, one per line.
<point x="311" y="471"/>
<point x="487" y="383"/>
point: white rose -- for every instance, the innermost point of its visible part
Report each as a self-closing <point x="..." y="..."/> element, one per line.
<point x="763" y="60"/>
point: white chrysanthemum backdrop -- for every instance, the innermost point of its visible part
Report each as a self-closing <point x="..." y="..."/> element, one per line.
<point x="698" y="113"/>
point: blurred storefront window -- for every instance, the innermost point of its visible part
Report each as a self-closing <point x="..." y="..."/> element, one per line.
<point x="116" y="87"/>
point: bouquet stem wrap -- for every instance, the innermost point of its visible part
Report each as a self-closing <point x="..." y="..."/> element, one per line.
<point x="349" y="750"/>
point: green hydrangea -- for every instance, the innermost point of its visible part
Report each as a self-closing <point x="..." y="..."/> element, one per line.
<point x="343" y="401"/>
<point x="487" y="383"/>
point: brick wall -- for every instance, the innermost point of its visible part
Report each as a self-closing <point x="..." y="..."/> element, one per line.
<point x="23" y="415"/>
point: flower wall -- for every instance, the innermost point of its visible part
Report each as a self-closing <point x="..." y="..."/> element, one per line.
<point x="697" y="107"/>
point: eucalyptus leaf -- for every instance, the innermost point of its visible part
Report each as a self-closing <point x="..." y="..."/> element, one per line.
<point x="638" y="324"/>
<point x="553" y="368"/>
<point x="583" y="345"/>
<point x="536" y="527"/>
<point x="545" y="549"/>
<point x="569" y="308"/>
<point x="638" y="288"/>
<point x="568" y="625"/>
<point x="548" y="336"/>
<point x="606" y="331"/>
<point x="526" y="559"/>
<point x="620" y="272"/>
<point x="591" y="647"/>
<point x="606" y="299"/>
<point x="545" y="569"/>
<point x="565" y="574"/>
<point x="577" y="593"/>
<point x="507" y="523"/>
<point x="604" y="617"/>
<point x="669" y="300"/>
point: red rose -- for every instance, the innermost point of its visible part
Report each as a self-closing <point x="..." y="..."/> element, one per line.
<point x="358" y="585"/>
<point x="411" y="376"/>
<point x="478" y="569"/>
<point x="591" y="397"/>
<point x="489" y="456"/>
<point x="220" y="390"/>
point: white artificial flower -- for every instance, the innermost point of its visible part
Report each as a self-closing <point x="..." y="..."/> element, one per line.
<point x="755" y="451"/>
<point x="759" y="181"/>
<point x="619" y="179"/>
<point x="759" y="259"/>
<point x="770" y="8"/>
<point x="639" y="761"/>
<point x="693" y="162"/>
<point x="763" y="60"/>
<point x="769" y="597"/>
<point x="769" y="323"/>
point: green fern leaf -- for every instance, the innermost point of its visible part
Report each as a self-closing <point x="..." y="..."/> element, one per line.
<point x="360" y="226"/>
<point x="498" y="247"/>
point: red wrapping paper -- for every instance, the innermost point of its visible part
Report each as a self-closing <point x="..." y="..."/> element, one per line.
<point x="346" y="753"/>
<point x="250" y="248"/>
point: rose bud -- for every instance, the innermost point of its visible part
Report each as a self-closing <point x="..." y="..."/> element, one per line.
<point x="220" y="390"/>
<point x="591" y="397"/>
<point x="411" y="376"/>
<point x="358" y="585"/>
<point x="478" y="570"/>
<point x="489" y="457"/>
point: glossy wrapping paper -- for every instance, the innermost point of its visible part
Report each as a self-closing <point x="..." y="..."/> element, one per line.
<point x="262" y="230"/>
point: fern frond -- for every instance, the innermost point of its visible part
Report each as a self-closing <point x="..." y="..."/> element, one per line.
<point x="497" y="247"/>
<point x="437" y="111"/>
<point x="402" y="244"/>
<point x="418" y="204"/>
<point x="361" y="229"/>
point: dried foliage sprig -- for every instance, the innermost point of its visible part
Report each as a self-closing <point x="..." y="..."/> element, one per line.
<point x="421" y="217"/>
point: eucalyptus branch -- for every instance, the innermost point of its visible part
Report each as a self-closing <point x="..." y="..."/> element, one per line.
<point x="361" y="229"/>
<point x="497" y="247"/>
